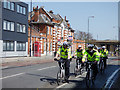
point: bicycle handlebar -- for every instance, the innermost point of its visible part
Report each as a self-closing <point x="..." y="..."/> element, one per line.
<point x="92" y="62"/>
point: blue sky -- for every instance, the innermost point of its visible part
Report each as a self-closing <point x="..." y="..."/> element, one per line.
<point x="105" y="13"/>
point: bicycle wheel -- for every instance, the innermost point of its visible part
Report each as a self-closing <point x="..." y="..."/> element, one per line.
<point x="58" y="78"/>
<point x="100" y="66"/>
<point x="88" y="80"/>
<point x="103" y="67"/>
<point x="81" y="71"/>
<point x="75" y="71"/>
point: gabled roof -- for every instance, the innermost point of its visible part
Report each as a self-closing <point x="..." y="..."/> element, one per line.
<point x="30" y="15"/>
<point x="47" y="13"/>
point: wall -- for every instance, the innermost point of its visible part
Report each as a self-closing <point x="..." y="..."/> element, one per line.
<point x="0" y="20"/>
<point x="17" y="18"/>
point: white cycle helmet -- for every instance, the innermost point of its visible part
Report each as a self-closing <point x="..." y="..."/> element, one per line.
<point x="65" y="43"/>
<point x="90" y="46"/>
<point x="103" y="47"/>
<point x="79" y="46"/>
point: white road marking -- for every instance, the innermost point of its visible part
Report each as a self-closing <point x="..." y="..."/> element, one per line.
<point x="62" y="85"/>
<point x="24" y="73"/>
<point x="46" y="68"/>
<point x="110" y="78"/>
<point x="11" y="76"/>
<point x="80" y="75"/>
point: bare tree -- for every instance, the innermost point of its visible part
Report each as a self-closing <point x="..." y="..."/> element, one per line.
<point x="83" y="35"/>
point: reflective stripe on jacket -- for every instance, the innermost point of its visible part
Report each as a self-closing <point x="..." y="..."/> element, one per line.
<point x="79" y="53"/>
<point x="94" y="57"/>
<point x="104" y="53"/>
<point x="64" y="53"/>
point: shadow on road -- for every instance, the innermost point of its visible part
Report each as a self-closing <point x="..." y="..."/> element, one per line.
<point x="100" y="79"/>
<point x="80" y="82"/>
<point x="49" y="79"/>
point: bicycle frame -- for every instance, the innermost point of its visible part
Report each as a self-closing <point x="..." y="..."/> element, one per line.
<point x="62" y="69"/>
<point x="101" y="66"/>
<point x="89" y="69"/>
<point x="89" y="75"/>
<point x="78" y="64"/>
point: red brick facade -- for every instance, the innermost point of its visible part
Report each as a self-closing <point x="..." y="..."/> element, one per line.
<point x="55" y="32"/>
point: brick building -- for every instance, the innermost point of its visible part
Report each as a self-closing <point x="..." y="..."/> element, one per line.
<point x="50" y="30"/>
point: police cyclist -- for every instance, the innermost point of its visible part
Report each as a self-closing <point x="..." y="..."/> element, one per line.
<point x="92" y="56"/>
<point x="65" y="55"/>
<point x="104" y="55"/>
<point x="79" y="53"/>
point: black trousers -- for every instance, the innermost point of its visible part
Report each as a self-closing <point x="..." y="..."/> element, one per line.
<point x="94" y="68"/>
<point x="105" y="61"/>
<point x="67" y="66"/>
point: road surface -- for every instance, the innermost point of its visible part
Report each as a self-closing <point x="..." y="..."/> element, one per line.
<point x="44" y="76"/>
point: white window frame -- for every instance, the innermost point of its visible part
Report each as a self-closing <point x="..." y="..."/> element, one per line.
<point x="8" y="5"/>
<point x="21" y="9"/>
<point x="12" y="6"/>
<point x="8" y="25"/>
<point x="21" y="28"/>
<point x="24" y="10"/>
<point x="5" y="4"/>
<point x="4" y="24"/>
<point x="48" y="30"/>
<point x="18" y="27"/>
<point x="51" y="30"/>
<point x="24" y="28"/>
<point x="8" y="45"/>
<point x="18" y="8"/>
<point x="12" y="25"/>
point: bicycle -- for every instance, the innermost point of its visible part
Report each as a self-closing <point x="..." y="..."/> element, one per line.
<point x="101" y="66"/>
<point x="89" y="75"/>
<point x="61" y="72"/>
<point x="78" y="69"/>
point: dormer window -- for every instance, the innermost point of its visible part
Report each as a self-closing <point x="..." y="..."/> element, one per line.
<point x="45" y="18"/>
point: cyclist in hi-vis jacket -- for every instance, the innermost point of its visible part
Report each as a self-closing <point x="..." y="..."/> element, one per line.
<point x="104" y="54"/>
<point x="92" y="56"/>
<point x="65" y="54"/>
<point x="79" y="53"/>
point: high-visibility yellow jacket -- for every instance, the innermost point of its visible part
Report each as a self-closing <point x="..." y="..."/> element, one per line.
<point x="91" y="56"/>
<point x="79" y="53"/>
<point x="104" y="53"/>
<point x="64" y="53"/>
<point x="98" y="53"/>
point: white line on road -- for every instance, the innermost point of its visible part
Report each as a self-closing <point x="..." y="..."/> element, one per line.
<point x="46" y="68"/>
<point x="24" y="73"/>
<point x="11" y="76"/>
<point x="110" y="78"/>
<point x="62" y="85"/>
<point x="80" y="75"/>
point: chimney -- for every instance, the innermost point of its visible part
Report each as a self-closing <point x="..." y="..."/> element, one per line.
<point x="51" y="11"/>
<point x="36" y="13"/>
<point x="33" y="8"/>
<point x="37" y="7"/>
<point x="65" y="18"/>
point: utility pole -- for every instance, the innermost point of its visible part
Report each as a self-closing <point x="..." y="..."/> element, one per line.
<point x="88" y="26"/>
<point x="46" y="40"/>
<point x="30" y="28"/>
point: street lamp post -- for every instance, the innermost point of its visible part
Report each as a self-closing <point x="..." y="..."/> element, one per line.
<point x="46" y="40"/>
<point x="30" y="28"/>
<point x="88" y="26"/>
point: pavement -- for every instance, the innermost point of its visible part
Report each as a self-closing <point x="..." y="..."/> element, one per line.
<point x="24" y="61"/>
